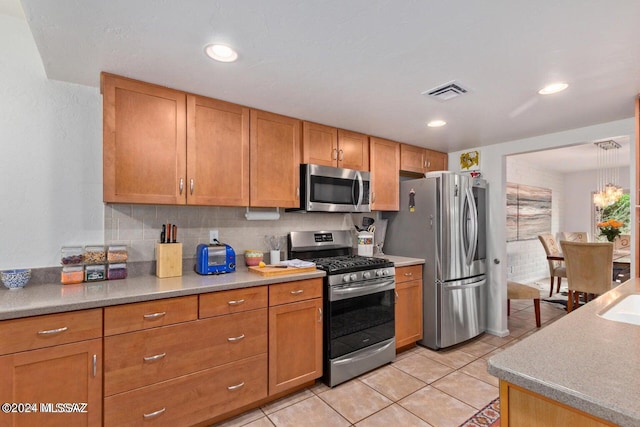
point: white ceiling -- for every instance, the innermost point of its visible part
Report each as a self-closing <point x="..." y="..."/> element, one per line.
<point x="362" y="64"/>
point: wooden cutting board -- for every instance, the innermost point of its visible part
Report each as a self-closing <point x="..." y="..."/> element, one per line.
<point x="273" y="271"/>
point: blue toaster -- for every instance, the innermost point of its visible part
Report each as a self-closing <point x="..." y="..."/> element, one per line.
<point x="215" y="259"/>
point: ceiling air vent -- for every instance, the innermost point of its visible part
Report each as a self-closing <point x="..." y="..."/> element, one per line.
<point x="446" y="91"/>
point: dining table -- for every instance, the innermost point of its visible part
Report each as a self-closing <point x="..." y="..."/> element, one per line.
<point x="621" y="264"/>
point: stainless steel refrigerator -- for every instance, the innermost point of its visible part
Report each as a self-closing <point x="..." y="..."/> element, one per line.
<point x="442" y="219"/>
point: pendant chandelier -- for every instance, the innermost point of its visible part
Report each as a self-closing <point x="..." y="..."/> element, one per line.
<point x="607" y="189"/>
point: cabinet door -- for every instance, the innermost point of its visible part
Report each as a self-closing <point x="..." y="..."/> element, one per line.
<point x="436" y="161"/>
<point x="70" y="373"/>
<point x="275" y="160"/>
<point x="385" y="175"/>
<point x="413" y="159"/>
<point x="319" y="144"/>
<point x="217" y="152"/>
<point x="144" y="142"/>
<point x="295" y="344"/>
<point x="353" y="150"/>
<point x="408" y="313"/>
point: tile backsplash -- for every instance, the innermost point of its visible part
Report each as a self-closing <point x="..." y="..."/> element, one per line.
<point x="139" y="227"/>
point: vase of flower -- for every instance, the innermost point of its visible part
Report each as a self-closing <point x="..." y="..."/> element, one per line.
<point x="610" y="229"/>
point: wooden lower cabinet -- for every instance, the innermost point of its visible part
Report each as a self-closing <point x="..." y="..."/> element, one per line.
<point x="408" y="305"/>
<point x="190" y="399"/>
<point x="142" y="358"/>
<point x="295" y="338"/>
<point x="521" y="407"/>
<point x="68" y="373"/>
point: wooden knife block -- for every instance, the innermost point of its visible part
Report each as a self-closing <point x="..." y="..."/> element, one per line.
<point x="168" y="259"/>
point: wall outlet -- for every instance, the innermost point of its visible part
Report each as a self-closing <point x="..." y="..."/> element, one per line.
<point x="213" y="236"/>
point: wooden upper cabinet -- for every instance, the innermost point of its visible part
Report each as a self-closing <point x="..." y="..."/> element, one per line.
<point x="353" y="150"/>
<point x="217" y="152"/>
<point x="329" y="146"/>
<point x="420" y="160"/>
<point x="436" y="161"/>
<point x="385" y="180"/>
<point x="144" y="142"/>
<point x="275" y="160"/>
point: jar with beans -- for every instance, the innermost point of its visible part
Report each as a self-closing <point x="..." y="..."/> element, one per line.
<point x="72" y="274"/>
<point x="94" y="254"/>
<point x="71" y="255"/>
<point x="117" y="253"/>
<point x="117" y="271"/>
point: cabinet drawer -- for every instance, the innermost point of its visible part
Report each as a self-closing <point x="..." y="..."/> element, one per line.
<point x="233" y="301"/>
<point x="141" y="358"/>
<point x="150" y="314"/>
<point x="51" y="329"/>
<point x="190" y="399"/>
<point x="299" y="290"/>
<point x="406" y="274"/>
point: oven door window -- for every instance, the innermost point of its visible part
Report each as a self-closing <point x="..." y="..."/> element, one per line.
<point x="359" y="322"/>
<point x="333" y="190"/>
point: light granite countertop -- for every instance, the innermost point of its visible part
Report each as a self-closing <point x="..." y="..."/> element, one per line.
<point x="582" y="360"/>
<point x="56" y="298"/>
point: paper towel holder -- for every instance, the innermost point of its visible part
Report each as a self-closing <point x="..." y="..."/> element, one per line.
<point x="262" y="215"/>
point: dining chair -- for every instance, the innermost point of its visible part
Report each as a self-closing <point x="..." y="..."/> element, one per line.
<point x="556" y="268"/>
<point x="589" y="269"/>
<point x="575" y="236"/>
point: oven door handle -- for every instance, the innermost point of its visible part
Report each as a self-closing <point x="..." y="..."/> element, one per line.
<point x="340" y="293"/>
<point x="364" y="355"/>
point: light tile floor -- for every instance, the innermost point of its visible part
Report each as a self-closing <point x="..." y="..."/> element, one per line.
<point x="420" y="388"/>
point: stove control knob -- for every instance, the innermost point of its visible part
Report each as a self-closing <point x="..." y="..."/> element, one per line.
<point x="385" y="272"/>
<point x="366" y="275"/>
<point x="346" y="278"/>
<point x="378" y="273"/>
<point x="354" y="277"/>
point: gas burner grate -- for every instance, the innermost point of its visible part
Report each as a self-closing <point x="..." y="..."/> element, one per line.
<point x="349" y="263"/>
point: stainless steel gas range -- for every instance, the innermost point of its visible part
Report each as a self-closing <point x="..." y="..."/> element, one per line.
<point x="359" y="303"/>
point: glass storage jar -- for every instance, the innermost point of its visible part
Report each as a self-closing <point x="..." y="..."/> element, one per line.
<point x="117" y="253"/>
<point x="94" y="273"/>
<point x="117" y="271"/>
<point x="71" y="255"/>
<point x="94" y="254"/>
<point x="72" y="274"/>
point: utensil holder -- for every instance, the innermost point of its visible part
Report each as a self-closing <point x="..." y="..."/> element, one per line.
<point x="168" y="259"/>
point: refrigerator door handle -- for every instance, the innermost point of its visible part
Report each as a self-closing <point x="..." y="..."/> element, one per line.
<point x="472" y="240"/>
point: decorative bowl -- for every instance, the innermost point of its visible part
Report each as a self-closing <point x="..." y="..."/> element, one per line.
<point x="252" y="258"/>
<point x="15" y="279"/>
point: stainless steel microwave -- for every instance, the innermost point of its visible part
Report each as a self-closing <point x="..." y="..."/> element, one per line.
<point x="330" y="189"/>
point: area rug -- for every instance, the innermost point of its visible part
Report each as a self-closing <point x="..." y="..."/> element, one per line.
<point x="489" y="416"/>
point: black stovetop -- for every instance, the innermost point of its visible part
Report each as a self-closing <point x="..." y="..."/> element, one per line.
<point x="349" y="263"/>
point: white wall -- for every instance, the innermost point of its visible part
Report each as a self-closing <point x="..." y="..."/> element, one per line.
<point x="526" y="259"/>
<point x="493" y="165"/>
<point x="50" y="157"/>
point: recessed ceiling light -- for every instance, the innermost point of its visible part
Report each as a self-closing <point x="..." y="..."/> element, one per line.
<point x="436" y="123"/>
<point x="553" y="88"/>
<point x="221" y="53"/>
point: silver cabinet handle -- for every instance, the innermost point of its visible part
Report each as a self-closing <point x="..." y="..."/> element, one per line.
<point x="191" y="186"/>
<point x="297" y="192"/>
<point x="154" y="315"/>
<point x="154" y="414"/>
<point x="153" y="358"/>
<point x="319" y="315"/>
<point x="53" y="331"/>
<point x="397" y="297"/>
<point x="181" y="185"/>
<point x="408" y="274"/>
<point x="298" y="292"/>
<point x="233" y="339"/>
<point x="235" y="302"/>
<point x="235" y="387"/>
<point x="335" y="154"/>
<point x="95" y="365"/>
<point x="341" y="155"/>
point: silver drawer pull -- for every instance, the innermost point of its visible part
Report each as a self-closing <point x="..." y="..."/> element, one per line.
<point x="156" y="357"/>
<point x="232" y="339"/>
<point x="408" y="274"/>
<point x="154" y="315"/>
<point x="236" y="302"/>
<point x="154" y="414"/>
<point x="235" y="387"/>
<point x="298" y="292"/>
<point x="53" y="331"/>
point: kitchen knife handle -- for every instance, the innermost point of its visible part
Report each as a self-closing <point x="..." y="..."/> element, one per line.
<point x="168" y="233"/>
<point x="175" y="233"/>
